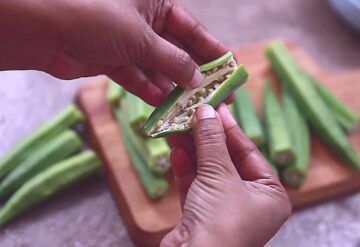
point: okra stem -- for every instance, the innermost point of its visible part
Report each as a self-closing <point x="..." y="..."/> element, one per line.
<point x="347" y="118"/>
<point x="68" y="117"/>
<point x="295" y="172"/>
<point x="47" y="183"/>
<point x="310" y="102"/>
<point x="58" y="148"/>
<point x="247" y="117"/>
<point x="279" y="141"/>
<point x="155" y="186"/>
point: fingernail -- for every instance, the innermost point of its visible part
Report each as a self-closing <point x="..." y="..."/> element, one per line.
<point x="196" y="79"/>
<point x="205" y="112"/>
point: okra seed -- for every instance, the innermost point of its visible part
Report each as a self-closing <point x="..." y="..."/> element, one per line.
<point x="202" y="91"/>
<point x="190" y="102"/>
<point x="216" y="85"/>
<point x="232" y="63"/>
<point x="191" y="111"/>
<point x="201" y="99"/>
<point x="210" y="90"/>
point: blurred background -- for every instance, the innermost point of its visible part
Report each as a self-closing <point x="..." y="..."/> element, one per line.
<point x="86" y="215"/>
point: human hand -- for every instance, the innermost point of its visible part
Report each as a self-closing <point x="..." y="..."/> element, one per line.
<point x="143" y="45"/>
<point x="229" y="193"/>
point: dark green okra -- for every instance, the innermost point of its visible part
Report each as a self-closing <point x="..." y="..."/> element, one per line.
<point x="155" y="186"/>
<point x="155" y="152"/>
<point x="221" y="77"/>
<point x="347" y="118"/>
<point x="58" y="148"/>
<point x="68" y="117"/>
<point x="49" y="182"/>
<point x="278" y="135"/>
<point x="310" y="102"/>
<point x="295" y="172"/>
<point x="247" y="117"/>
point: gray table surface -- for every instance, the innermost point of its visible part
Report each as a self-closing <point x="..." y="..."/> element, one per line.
<point x="86" y="215"/>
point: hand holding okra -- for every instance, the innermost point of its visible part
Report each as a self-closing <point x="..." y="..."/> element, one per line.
<point x="218" y="175"/>
<point x="143" y="45"/>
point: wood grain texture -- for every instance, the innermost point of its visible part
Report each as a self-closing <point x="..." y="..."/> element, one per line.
<point x="148" y="221"/>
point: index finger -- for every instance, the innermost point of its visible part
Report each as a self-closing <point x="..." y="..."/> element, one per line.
<point x="186" y="28"/>
<point x="246" y="157"/>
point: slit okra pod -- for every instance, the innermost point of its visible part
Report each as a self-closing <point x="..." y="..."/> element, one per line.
<point x="279" y="142"/>
<point x="156" y="152"/>
<point x="58" y="148"/>
<point x="47" y="183"/>
<point x="247" y="117"/>
<point x="221" y="77"/>
<point x="68" y="117"/>
<point x="310" y="102"/>
<point x="155" y="186"/>
<point x="295" y="172"/>
<point x="346" y="117"/>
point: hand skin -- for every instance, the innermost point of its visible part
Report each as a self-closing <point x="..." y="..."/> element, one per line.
<point x="229" y="194"/>
<point x="143" y="45"/>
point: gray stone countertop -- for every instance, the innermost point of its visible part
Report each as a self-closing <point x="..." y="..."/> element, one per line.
<point x="86" y="215"/>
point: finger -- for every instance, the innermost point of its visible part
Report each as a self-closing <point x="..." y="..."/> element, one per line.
<point x="184" y="171"/>
<point x="136" y="82"/>
<point x="162" y="81"/>
<point x="166" y="58"/>
<point x="230" y="99"/>
<point x="184" y="141"/>
<point x="213" y="158"/>
<point x="184" y="27"/>
<point x="248" y="160"/>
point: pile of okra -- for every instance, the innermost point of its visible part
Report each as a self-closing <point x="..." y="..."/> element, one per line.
<point x="282" y="132"/>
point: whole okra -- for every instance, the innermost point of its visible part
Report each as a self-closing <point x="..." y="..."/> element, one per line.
<point x="247" y="117"/>
<point x="58" y="148"/>
<point x="68" y="117"/>
<point x="295" y="172"/>
<point x="310" y="102"/>
<point x="174" y="115"/>
<point x="155" y="186"/>
<point x="49" y="182"/>
<point x="278" y="135"/>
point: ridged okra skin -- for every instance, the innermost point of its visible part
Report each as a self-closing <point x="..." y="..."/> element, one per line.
<point x="155" y="186"/>
<point x="68" y="117"/>
<point x="278" y="135"/>
<point x="310" y="102"/>
<point x="247" y="117"/>
<point x="233" y="80"/>
<point x="58" y="148"/>
<point x="49" y="182"/>
<point x="347" y="118"/>
<point x="295" y="172"/>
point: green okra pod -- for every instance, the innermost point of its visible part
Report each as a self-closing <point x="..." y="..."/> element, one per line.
<point x="156" y="152"/>
<point x="47" y="183"/>
<point x="115" y="93"/>
<point x="58" y="148"/>
<point x="247" y="117"/>
<point x="155" y="186"/>
<point x="295" y="172"/>
<point x="346" y="117"/>
<point x="310" y="102"/>
<point x="279" y="140"/>
<point x="68" y="117"/>
<point x="221" y="77"/>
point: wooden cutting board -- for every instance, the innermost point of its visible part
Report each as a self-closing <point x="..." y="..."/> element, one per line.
<point x="148" y="221"/>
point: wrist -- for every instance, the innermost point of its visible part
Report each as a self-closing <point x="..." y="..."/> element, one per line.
<point x="29" y="35"/>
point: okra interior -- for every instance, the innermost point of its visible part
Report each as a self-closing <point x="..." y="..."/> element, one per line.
<point x="177" y="112"/>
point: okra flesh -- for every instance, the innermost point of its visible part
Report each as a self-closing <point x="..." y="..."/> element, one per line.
<point x="295" y="172"/>
<point x="247" y="117"/>
<point x="49" y="182"/>
<point x="279" y="140"/>
<point x="68" y="117"/>
<point x="175" y="114"/>
<point x="155" y="186"/>
<point x="310" y="102"/>
<point x="60" y="147"/>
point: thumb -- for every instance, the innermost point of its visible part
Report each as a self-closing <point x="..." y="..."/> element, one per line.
<point x="210" y="141"/>
<point x="164" y="57"/>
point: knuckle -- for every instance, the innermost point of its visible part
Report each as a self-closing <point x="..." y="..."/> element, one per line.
<point x="182" y="62"/>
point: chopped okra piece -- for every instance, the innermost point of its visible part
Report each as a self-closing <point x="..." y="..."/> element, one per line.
<point x="174" y="115"/>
